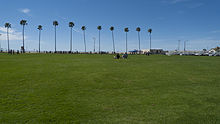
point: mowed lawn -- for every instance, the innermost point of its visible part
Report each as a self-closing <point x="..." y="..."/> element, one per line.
<point x="96" y="89"/>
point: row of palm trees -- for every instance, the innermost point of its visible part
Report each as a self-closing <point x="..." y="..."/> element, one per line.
<point x="8" y="25"/>
<point x="71" y="25"/>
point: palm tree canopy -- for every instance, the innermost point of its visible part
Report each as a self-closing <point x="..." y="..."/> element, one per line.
<point x="83" y="28"/>
<point x="138" y="29"/>
<point x="112" y="28"/>
<point x="7" y="25"/>
<point x="23" y="22"/>
<point x="71" y="24"/>
<point x="126" y="30"/>
<point x="150" y="30"/>
<point x="99" y="27"/>
<point x="39" y="27"/>
<point x="55" y="23"/>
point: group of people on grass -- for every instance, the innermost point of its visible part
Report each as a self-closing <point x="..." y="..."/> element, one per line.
<point x="124" y="56"/>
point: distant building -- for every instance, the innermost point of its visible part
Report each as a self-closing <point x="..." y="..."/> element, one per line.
<point x="133" y="52"/>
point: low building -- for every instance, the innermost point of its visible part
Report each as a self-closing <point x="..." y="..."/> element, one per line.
<point x="133" y="52"/>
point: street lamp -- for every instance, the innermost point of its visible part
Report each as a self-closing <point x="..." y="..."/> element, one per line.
<point x="178" y="45"/>
<point x="185" y="45"/>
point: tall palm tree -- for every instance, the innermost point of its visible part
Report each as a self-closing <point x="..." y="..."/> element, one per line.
<point x="126" y="31"/>
<point x="23" y="23"/>
<point x="138" y="29"/>
<point x="8" y="25"/>
<point x="55" y="24"/>
<point x="84" y="36"/>
<point x="99" y="28"/>
<point x="113" y="39"/>
<point x="71" y="24"/>
<point x="39" y="28"/>
<point x="150" y="31"/>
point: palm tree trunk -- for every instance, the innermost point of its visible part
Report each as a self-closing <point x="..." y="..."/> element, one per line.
<point x="55" y="40"/>
<point x="71" y="39"/>
<point x="99" y="43"/>
<point x="139" y="40"/>
<point x="126" y="42"/>
<point x="84" y="40"/>
<point x="23" y="40"/>
<point x="0" y="45"/>
<point x="8" y="40"/>
<point x="39" y="39"/>
<point x="94" y="46"/>
<point x="113" y="40"/>
<point x="150" y="41"/>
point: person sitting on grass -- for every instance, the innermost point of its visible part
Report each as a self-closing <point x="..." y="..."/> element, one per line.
<point x="125" y="56"/>
<point x="117" y="56"/>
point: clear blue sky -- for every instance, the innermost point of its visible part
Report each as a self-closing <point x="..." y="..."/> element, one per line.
<point x="171" y="20"/>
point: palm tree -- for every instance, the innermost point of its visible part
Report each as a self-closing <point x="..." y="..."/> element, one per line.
<point x="55" y="23"/>
<point x="113" y="40"/>
<point x="99" y="28"/>
<point x="84" y="36"/>
<point x="126" y="31"/>
<point x="23" y="23"/>
<point x="138" y="29"/>
<point x="8" y="25"/>
<point x="71" y="24"/>
<point x="39" y="28"/>
<point x="150" y="31"/>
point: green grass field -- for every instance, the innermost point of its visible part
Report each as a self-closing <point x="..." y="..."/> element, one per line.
<point x="96" y="89"/>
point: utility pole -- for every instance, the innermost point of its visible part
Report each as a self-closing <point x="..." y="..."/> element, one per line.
<point x="185" y="45"/>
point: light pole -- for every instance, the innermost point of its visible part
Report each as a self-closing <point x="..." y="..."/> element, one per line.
<point x="185" y="45"/>
<point x="179" y="45"/>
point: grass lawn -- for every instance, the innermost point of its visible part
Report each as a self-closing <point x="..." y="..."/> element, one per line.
<point x="96" y="89"/>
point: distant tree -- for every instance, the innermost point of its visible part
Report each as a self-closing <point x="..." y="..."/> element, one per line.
<point x="8" y="25"/>
<point x="23" y="23"/>
<point x="71" y="25"/>
<point x="39" y="28"/>
<point x="99" y="28"/>
<point x="150" y="31"/>
<point x="138" y="29"/>
<point x="113" y="40"/>
<point x="126" y="32"/>
<point x="217" y="48"/>
<point x="84" y="36"/>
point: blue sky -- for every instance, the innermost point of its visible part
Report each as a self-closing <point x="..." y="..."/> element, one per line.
<point x="197" y="21"/>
